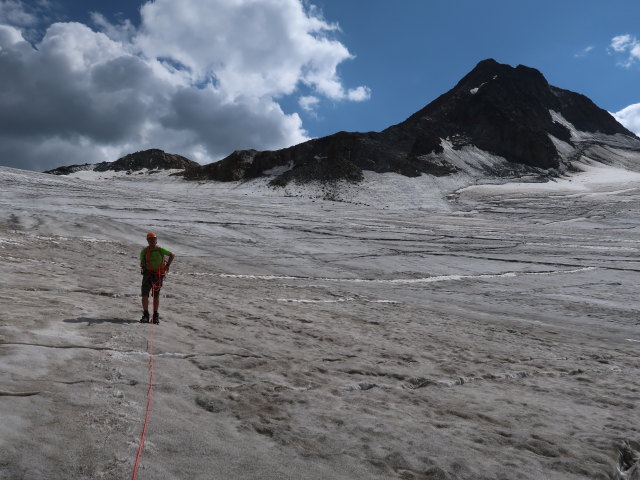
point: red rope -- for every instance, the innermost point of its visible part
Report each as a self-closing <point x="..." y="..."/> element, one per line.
<point x="154" y="291"/>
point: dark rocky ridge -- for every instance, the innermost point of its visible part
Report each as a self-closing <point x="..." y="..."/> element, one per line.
<point x="343" y="155"/>
<point x="498" y="108"/>
<point x="153" y="159"/>
<point x="509" y="114"/>
<point x="69" y="169"/>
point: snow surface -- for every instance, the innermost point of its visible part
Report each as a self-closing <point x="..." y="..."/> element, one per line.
<point x="475" y="90"/>
<point x="93" y="175"/>
<point x="426" y="329"/>
<point x="279" y="170"/>
<point x="616" y="141"/>
<point x="587" y="180"/>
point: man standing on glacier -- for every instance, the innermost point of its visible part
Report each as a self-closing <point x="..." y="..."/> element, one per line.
<point x="154" y="268"/>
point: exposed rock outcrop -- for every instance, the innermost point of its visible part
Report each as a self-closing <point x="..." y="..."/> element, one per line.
<point x="506" y="112"/>
<point x="153" y="159"/>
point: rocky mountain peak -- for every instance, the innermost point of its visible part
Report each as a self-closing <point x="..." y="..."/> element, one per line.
<point x="489" y="70"/>
<point x="507" y="111"/>
<point x="152" y="159"/>
<point x="517" y="122"/>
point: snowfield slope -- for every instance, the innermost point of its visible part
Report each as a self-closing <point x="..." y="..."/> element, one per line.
<point x="496" y="337"/>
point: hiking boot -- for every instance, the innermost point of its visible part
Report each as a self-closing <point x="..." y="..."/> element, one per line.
<point x="145" y="317"/>
<point x="156" y="318"/>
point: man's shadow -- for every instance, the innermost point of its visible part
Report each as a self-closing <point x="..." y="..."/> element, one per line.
<point x="93" y="321"/>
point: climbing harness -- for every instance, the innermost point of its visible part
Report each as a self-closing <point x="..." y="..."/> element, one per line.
<point x="156" y="284"/>
<point x="162" y="270"/>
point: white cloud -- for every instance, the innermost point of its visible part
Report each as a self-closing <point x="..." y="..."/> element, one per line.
<point x="359" y="94"/>
<point x="622" y="42"/>
<point x="584" y="52"/>
<point x="265" y="47"/>
<point x="13" y="12"/>
<point x="308" y="103"/>
<point x="79" y="47"/>
<point x="196" y="78"/>
<point x="123" y="32"/>
<point x="629" y="46"/>
<point x="29" y="16"/>
<point x="630" y="118"/>
<point x="9" y="36"/>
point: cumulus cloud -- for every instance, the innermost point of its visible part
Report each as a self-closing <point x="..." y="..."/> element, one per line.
<point x="628" y="46"/>
<point x="308" y="103"/>
<point x="196" y="78"/>
<point x="13" y="12"/>
<point x="122" y="32"/>
<point x="630" y="118"/>
<point x="28" y="16"/>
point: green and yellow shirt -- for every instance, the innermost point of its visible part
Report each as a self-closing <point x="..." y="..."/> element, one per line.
<point x="156" y="256"/>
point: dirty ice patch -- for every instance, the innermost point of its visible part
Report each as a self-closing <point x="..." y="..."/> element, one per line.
<point x="253" y="277"/>
<point x="174" y="355"/>
<point x="445" y="278"/>
<point x="158" y="355"/>
<point x="336" y="300"/>
<point x="94" y="240"/>
<point x="313" y="300"/>
<point x="597" y="175"/>
<point x="617" y="140"/>
<point x="379" y="190"/>
<point x="382" y="190"/>
<point x="586" y="247"/>
<point x="92" y="175"/>
<point x="7" y="241"/>
<point x="558" y="118"/>
<point x="591" y="176"/>
<point x="404" y="281"/>
<point x="278" y="170"/>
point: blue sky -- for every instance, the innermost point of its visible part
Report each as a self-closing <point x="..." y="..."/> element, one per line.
<point x="89" y="80"/>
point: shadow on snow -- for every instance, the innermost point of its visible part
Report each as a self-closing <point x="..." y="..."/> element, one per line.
<point x="94" y="321"/>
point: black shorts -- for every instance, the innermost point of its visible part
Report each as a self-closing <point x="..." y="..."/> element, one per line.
<point x="148" y="280"/>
